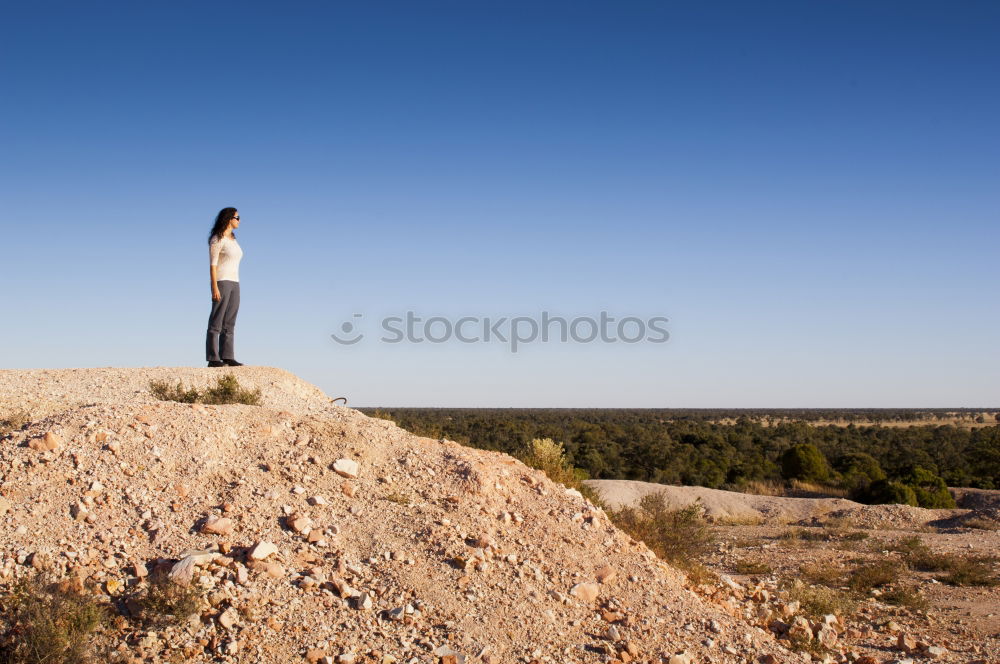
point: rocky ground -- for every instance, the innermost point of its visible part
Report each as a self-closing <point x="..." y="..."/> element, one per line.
<point x="774" y="541"/>
<point x="313" y="532"/>
<point x="310" y="532"/>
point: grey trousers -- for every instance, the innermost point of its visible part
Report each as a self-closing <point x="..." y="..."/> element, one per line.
<point x="222" y="323"/>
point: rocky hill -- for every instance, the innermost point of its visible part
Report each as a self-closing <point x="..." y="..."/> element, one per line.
<point x="314" y="533"/>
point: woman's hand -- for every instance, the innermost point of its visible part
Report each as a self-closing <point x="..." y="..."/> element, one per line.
<point x="216" y="295"/>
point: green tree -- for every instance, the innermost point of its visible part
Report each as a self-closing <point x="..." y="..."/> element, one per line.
<point x="884" y="492"/>
<point x="806" y="463"/>
<point x="929" y="489"/>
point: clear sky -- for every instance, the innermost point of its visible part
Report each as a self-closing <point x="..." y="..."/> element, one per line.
<point x="809" y="191"/>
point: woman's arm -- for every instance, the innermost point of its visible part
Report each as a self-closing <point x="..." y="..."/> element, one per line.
<point x="216" y="295"/>
<point x="214" y="249"/>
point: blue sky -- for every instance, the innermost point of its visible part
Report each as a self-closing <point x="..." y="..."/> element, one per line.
<point x="808" y="191"/>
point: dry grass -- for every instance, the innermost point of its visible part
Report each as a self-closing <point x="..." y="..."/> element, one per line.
<point x="398" y="498"/>
<point x="905" y="596"/>
<point x="818" y="601"/>
<point x="822" y="574"/>
<point x="958" y="570"/>
<point x="14" y="421"/>
<point x="165" y="602"/>
<point x="763" y="488"/>
<point x="48" y="622"/>
<point x="981" y="523"/>
<point x="873" y="575"/>
<point x="752" y="567"/>
<point x="798" y="488"/>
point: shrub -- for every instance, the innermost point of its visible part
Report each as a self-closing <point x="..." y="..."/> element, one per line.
<point x="48" y="622"/>
<point x="819" y="601"/>
<point x="549" y="457"/>
<point x="165" y="392"/>
<point x="971" y="571"/>
<point x="166" y="602"/>
<point x="884" y="492"/>
<point x="907" y="597"/>
<point x="875" y="575"/>
<point x="227" y="390"/>
<point x="681" y="536"/>
<point x="822" y="575"/>
<point x="804" y="462"/>
<point x="929" y="489"/>
<point x="13" y="421"/>
<point x="858" y="470"/>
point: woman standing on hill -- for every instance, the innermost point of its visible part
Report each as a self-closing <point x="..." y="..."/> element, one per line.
<point x="224" y="254"/>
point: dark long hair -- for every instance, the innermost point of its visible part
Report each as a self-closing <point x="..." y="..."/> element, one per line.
<point x="221" y="222"/>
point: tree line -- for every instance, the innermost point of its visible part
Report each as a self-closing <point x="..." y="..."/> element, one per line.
<point x="873" y="463"/>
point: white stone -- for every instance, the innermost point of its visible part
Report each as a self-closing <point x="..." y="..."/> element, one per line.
<point x="346" y="468"/>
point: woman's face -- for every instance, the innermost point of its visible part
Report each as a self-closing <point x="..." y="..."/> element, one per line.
<point x="234" y="223"/>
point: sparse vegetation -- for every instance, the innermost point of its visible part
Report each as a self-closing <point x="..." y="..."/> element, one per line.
<point x="970" y="571"/>
<point x="982" y="523"/>
<point x="752" y="567"/>
<point x="227" y="390"/>
<point x="550" y="457"/>
<point x="822" y="574"/>
<point x="48" y="622"/>
<point x="398" y="498"/>
<point x="905" y="596"/>
<point x="959" y="570"/>
<point x="164" y="602"/>
<point x="873" y="575"/>
<point x="818" y="601"/>
<point x="13" y="421"/>
<point x="681" y="536"/>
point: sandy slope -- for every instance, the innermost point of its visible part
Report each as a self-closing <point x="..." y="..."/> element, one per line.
<point x="478" y="553"/>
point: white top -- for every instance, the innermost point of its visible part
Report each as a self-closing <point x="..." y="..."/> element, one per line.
<point x="225" y="253"/>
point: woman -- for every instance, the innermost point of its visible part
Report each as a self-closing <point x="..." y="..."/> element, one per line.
<point x="225" y="254"/>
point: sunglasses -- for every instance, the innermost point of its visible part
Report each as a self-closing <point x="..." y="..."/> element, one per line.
<point x="237" y="217"/>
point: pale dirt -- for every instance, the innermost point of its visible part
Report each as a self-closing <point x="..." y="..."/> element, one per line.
<point x="485" y="548"/>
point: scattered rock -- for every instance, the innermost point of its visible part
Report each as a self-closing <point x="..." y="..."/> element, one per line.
<point x="262" y="550"/>
<point x="585" y="592"/>
<point x="49" y="442"/>
<point x="216" y="525"/>
<point x="346" y="468"/>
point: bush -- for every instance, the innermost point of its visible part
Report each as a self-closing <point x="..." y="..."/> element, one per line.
<point x="14" y="421"/>
<point x="884" y="492"/>
<point x="929" y="489"/>
<point x="971" y="571"/>
<point x="165" y="392"/>
<point x="822" y="575"/>
<point x="875" y="575"/>
<point x="819" y="601"/>
<point x="166" y="602"/>
<point x="549" y="457"/>
<point x="680" y="536"/>
<point x="907" y="597"/>
<point x="804" y="462"/>
<point x="227" y="390"/>
<point x="46" y="622"/>
<point x="858" y="470"/>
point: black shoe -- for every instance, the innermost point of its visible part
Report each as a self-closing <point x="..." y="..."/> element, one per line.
<point x="232" y="363"/>
<point x="216" y="363"/>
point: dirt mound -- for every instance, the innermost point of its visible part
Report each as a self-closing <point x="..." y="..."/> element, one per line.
<point x="388" y="547"/>
<point x="734" y="507"/>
